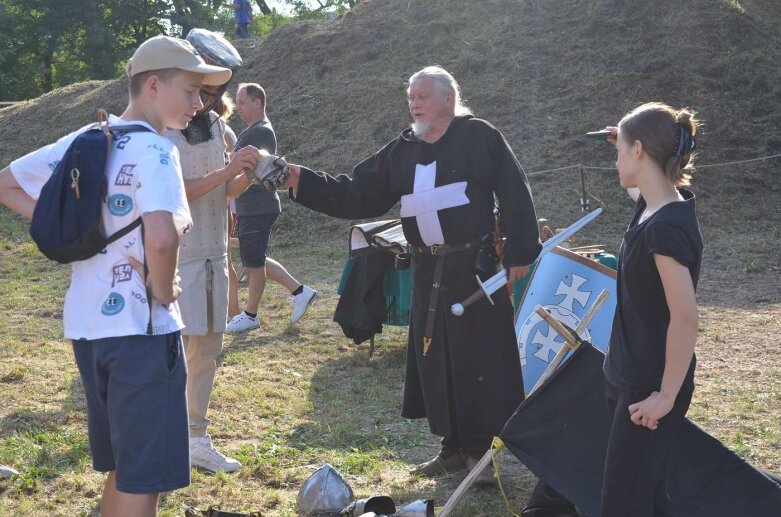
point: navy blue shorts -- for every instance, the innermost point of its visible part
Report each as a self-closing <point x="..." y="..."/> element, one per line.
<point x="137" y="410"/>
<point x="254" y="233"/>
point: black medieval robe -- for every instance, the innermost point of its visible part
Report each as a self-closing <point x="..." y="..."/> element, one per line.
<point x="471" y="375"/>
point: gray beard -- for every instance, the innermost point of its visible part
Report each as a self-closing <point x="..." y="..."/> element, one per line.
<point x="421" y="129"/>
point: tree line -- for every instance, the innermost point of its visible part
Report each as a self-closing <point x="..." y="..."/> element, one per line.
<point x="47" y="44"/>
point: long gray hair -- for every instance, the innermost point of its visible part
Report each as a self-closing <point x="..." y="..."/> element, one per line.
<point x="445" y="84"/>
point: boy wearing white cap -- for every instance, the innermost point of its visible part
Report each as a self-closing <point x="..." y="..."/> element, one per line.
<point x="133" y="373"/>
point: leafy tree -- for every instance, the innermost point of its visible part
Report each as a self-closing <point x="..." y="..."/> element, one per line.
<point x="194" y="13"/>
<point x="318" y="8"/>
<point x="46" y="44"/>
<point x="34" y="30"/>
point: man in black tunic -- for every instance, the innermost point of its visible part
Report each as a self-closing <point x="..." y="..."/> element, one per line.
<point x="463" y="373"/>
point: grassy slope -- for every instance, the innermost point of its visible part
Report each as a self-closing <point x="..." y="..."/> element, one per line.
<point x="291" y="398"/>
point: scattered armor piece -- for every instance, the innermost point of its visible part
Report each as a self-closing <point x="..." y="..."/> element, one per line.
<point x="419" y="508"/>
<point x="7" y="472"/>
<point x="324" y="494"/>
<point x="376" y="505"/>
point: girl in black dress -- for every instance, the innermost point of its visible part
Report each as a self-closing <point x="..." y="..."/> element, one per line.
<point x="650" y="363"/>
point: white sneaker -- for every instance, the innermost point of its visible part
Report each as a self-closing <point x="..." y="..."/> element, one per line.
<point x="241" y="322"/>
<point x="204" y="455"/>
<point x="301" y="302"/>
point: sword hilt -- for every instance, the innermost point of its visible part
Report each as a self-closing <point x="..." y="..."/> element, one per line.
<point x="457" y="309"/>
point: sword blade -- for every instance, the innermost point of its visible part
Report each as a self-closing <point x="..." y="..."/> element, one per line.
<point x="493" y="284"/>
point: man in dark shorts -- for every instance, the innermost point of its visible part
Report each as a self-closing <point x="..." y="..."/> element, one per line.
<point x="257" y="210"/>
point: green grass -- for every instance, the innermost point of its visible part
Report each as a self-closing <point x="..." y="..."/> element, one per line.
<point x="289" y="398"/>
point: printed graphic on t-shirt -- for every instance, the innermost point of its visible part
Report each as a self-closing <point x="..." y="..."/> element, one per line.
<point x="120" y="204"/>
<point x="125" y="175"/>
<point x="113" y="304"/>
<point x="123" y="140"/>
<point x="122" y="273"/>
<point x="139" y="297"/>
<point x="105" y="297"/>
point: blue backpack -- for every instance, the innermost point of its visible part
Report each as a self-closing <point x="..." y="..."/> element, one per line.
<point x="66" y="223"/>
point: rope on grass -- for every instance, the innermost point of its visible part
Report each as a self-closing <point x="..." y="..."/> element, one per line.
<point x="498" y="444"/>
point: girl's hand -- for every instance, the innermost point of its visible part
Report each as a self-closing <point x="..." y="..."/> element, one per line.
<point x="612" y="138"/>
<point x="648" y="412"/>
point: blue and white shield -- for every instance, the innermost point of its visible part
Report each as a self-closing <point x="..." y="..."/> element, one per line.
<point x="566" y="284"/>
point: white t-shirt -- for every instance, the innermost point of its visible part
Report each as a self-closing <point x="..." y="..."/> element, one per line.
<point x="107" y="297"/>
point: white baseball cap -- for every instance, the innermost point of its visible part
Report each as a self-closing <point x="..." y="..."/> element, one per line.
<point x="163" y="52"/>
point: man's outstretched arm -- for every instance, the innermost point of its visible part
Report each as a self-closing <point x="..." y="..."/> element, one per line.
<point x="13" y="196"/>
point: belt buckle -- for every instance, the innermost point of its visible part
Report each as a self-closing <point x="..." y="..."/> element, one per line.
<point x="435" y="248"/>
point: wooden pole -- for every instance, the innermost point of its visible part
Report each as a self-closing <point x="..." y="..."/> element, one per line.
<point x="579" y="330"/>
<point x="468" y="482"/>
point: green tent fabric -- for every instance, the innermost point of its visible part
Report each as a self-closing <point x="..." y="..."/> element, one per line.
<point x="396" y="290"/>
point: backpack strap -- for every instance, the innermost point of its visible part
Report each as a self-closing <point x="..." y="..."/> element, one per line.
<point x="125" y="230"/>
<point x="149" y="329"/>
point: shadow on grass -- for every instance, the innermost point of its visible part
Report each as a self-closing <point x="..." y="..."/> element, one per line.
<point x="45" y="444"/>
<point x="356" y="426"/>
<point x="357" y="401"/>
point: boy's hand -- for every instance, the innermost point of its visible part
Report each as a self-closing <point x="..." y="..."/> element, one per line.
<point x="177" y="288"/>
<point x="138" y="266"/>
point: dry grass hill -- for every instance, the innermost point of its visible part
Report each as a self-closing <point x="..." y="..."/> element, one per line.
<point x="543" y="71"/>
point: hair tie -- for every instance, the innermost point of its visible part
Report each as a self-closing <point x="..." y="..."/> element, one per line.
<point x="685" y="143"/>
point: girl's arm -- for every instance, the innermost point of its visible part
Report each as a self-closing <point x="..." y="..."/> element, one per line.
<point x="681" y="338"/>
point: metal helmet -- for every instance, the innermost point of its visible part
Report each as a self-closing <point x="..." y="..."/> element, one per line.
<point x="324" y="493"/>
<point x="215" y="50"/>
<point x="376" y="505"/>
<point x="420" y="508"/>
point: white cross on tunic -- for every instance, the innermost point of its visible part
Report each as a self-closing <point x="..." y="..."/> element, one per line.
<point x="426" y="200"/>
